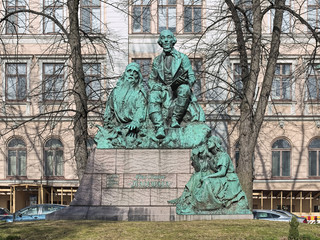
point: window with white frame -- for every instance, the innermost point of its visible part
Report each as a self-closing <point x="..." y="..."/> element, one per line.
<point x="281" y="151"/>
<point x="16" y="23"/>
<point x="17" y="157"/>
<point x="312" y="84"/>
<point x="246" y="14"/>
<point x="313" y="13"/>
<point x="53" y="157"/>
<point x="286" y="20"/>
<point x="141" y="16"/>
<point x="90" y="16"/>
<point x="53" y="81"/>
<point x="53" y="8"/>
<point x="16" y="81"/>
<point x="281" y="84"/>
<point x="92" y="73"/>
<point x="192" y="10"/>
<point x="314" y="158"/>
<point x="167" y="15"/>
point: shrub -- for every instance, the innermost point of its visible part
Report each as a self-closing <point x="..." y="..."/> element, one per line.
<point x="293" y="231"/>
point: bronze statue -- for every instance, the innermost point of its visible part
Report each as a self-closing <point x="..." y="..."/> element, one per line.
<point x="126" y="111"/>
<point x="170" y="84"/>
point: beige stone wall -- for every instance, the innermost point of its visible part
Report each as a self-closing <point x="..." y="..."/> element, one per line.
<point x="35" y="135"/>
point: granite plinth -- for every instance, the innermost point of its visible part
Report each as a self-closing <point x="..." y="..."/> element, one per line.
<point x="133" y="185"/>
<point x="146" y="213"/>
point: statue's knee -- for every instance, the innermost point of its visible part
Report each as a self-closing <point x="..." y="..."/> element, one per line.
<point x="154" y="107"/>
<point x="184" y="90"/>
<point x="154" y="97"/>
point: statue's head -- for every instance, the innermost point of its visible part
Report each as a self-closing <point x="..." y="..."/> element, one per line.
<point x="132" y="73"/>
<point x="214" y="143"/>
<point x="167" y="40"/>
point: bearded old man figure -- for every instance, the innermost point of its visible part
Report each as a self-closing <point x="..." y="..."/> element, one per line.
<point x="126" y="110"/>
<point x="170" y="84"/>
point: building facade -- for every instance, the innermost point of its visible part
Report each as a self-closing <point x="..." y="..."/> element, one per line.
<point x="37" y="163"/>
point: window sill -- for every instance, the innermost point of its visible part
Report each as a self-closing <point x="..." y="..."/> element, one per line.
<point x="282" y="100"/>
<point x="281" y="178"/>
<point x="314" y="177"/>
<point x="16" y="178"/>
<point x="54" y="178"/>
<point x="140" y="33"/>
<point x="16" y="102"/>
<point x="312" y="101"/>
<point x="52" y="102"/>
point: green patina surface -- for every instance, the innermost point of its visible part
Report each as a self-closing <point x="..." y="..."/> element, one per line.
<point x="168" y="116"/>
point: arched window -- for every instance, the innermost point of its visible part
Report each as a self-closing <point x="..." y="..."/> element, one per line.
<point x="281" y="151"/>
<point x="17" y="157"/>
<point x="314" y="157"/>
<point x="53" y="158"/>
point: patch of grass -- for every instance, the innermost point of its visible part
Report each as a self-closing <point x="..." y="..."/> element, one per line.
<point x="197" y="230"/>
<point x="10" y="237"/>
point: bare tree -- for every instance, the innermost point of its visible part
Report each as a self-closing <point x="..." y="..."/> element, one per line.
<point x="237" y="30"/>
<point x="73" y="40"/>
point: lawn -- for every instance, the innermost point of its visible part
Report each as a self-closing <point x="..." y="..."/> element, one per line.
<point x="199" y="230"/>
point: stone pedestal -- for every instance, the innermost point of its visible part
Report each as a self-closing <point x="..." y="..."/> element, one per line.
<point x="133" y="185"/>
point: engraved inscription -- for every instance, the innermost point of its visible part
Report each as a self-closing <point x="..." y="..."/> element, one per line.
<point x="150" y="181"/>
<point x="112" y="180"/>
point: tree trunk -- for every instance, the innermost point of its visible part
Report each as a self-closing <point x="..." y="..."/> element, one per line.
<point x="80" y="125"/>
<point x="251" y="119"/>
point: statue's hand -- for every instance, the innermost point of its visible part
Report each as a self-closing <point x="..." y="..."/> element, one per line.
<point x="133" y="126"/>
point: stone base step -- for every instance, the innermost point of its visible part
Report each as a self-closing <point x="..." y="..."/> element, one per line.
<point x="132" y="213"/>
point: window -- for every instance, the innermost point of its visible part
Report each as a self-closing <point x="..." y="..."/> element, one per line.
<point x="145" y="67"/>
<point x="246" y="6"/>
<point x="53" y="75"/>
<point x="237" y="81"/>
<point x="281" y="85"/>
<point x="93" y="80"/>
<point x="314" y="157"/>
<point x="192" y="16"/>
<point x="286" y="21"/>
<point x="34" y="210"/>
<point x="313" y="13"/>
<point x="54" y="8"/>
<point x="16" y="81"/>
<point x="17" y="157"/>
<point x="90" y="16"/>
<point x="281" y="151"/>
<point x="47" y="209"/>
<point x="312" y="84"/>
<point x="16" y="23"/>
<point x="53" y="158"/>
<point x="198" y="71"/>
<point x="167" y="15"/>
<point x="141" y="16"/>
